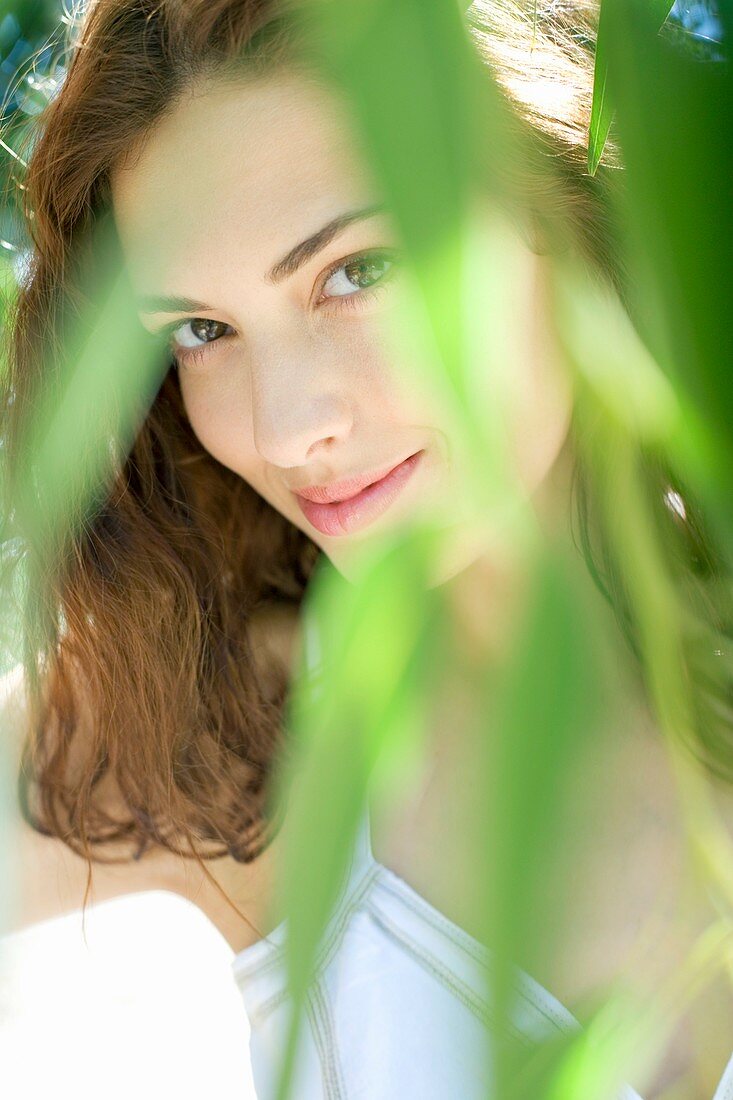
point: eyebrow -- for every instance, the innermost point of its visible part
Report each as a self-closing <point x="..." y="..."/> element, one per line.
<point x="283" y="269"/>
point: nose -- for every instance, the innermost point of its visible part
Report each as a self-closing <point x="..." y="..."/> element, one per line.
<point x="299" y="407"/>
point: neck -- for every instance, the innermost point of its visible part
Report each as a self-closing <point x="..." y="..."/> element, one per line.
<point x="485" y="597"/>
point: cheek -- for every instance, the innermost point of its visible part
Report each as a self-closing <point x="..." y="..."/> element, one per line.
<point x="521" y="381"/>
<point x="405" y="389"/>
<point x="221" y="420"/>
<point x="396" y="379"/>
<point x="540" y="422"/>
<point x="541" y="410"/>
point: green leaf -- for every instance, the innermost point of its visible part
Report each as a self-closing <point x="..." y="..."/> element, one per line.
<point x="602" y="110"/>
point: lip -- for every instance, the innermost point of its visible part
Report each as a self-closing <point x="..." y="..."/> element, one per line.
<point x="363" y="506"/>
<point x="338" y="491"/>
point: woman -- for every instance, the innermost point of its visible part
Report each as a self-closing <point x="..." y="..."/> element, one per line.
<point x="258" y="245"/>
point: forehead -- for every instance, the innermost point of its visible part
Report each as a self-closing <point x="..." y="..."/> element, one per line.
<point x="232" y="165"/>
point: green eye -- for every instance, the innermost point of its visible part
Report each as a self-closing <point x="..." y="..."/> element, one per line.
<point x="200" y="330"/>
<point x="360" y="273"/>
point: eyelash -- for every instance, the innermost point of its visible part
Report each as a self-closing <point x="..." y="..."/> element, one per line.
<point x="344" y="302"/>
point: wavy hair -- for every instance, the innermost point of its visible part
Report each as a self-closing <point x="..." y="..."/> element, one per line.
<point x="140" y="662"/>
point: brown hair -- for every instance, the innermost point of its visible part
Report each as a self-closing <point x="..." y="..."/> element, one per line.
<point x="141" y="648"/>
<point x="142" y="629"/>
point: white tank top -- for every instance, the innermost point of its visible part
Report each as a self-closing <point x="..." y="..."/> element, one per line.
<point x="400" y="1008"/>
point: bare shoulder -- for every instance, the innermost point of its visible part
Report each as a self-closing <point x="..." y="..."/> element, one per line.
<point x="49" y="879"/>
<point x="275" y="636"/>
<point x="615" y="844"/>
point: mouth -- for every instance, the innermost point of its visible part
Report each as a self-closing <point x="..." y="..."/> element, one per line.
<point x="341" y="517"/>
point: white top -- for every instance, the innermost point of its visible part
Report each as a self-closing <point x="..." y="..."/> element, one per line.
<point x="401" y="1006"/>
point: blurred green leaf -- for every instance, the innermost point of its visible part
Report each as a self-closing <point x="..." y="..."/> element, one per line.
<point x="675" y="121"/>
<point x="602" y="109"/>
<point x="97" y="388"/>
<point x="428" y="111"/>
<point x="378" y="643"/>
<point x="541" y="706"/>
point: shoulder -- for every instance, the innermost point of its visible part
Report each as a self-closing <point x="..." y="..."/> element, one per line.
<point x="608" y="852"/>
<point x="50" y="879"/>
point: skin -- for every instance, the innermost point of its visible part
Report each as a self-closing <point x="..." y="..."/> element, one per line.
<point x="302" y="383"/>
<point x="301" y="390"/>
<point x="307" y="381"/>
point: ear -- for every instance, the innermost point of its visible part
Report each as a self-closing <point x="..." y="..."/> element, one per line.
<point x="538" y="237"/>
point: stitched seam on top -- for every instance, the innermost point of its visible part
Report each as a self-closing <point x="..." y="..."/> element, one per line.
<point x="328" y="1050"/>
<point x="473" y="1002"/>
<point x="318" y="1039"/>
<point x="422" y="908"/>
<point x="259" y="1014"/>
<point x="343" y="909"/>
<point x="328" y="948"/>
<point x="550" y="1013"/>
<point x="263" y="966"/>
<point x="338" y="928"/>
<point x="472" y="947"/>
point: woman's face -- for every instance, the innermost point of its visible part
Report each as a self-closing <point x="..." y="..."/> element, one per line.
<point x="257" y="240"/>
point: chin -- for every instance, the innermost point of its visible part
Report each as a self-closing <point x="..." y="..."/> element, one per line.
<point x="456" y="556"/>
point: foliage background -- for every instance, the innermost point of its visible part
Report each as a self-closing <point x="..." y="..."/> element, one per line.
<point x="670" y="99"/>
